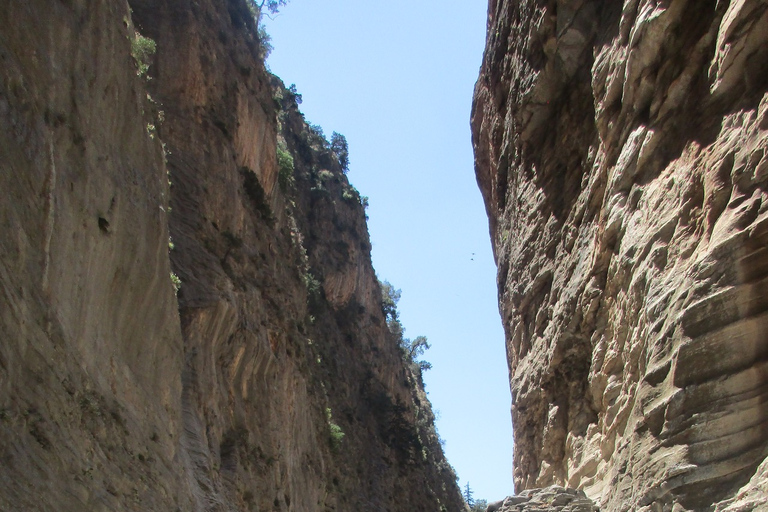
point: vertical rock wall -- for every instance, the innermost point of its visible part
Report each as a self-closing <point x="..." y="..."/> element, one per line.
<point x="270" y="380"/>
<point x="89" y="357"/>
<point x="621" y="151"/>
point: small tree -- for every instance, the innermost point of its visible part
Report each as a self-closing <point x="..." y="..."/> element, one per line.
<point x="265" y="41"/>
<point x="257" y="8"/>
<point x="340" y="148"/>
<point x="272" y="6"/>
<point x="418" y="346"/>
<point x="468" y="496"/>
<point x="411" y="350"/>
<point x="389" y="299"/>
<point x="295" y="94"/>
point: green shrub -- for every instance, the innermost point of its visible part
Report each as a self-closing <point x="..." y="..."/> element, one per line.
<point x="314" y="135"/>
<point x="265" y="42"/>
<point x="142" y="48"/>
<point x="285" y="168"/>
<point x="312" y="284"/>
<point x="176" y="282"/>
<point x="325" y="175"/>
<point x="335" y="434"/>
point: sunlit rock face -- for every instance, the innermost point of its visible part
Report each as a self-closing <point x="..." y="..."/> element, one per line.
<point x="621" y="151"/>
<point x="551" y="499"/>
<point x="270" y="380"/>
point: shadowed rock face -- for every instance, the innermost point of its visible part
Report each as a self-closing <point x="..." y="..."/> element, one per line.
<point x="621" y="151"/>
<point x="270" y="382"/>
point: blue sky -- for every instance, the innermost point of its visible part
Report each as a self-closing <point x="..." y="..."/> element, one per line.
<point x="396" y="78"/>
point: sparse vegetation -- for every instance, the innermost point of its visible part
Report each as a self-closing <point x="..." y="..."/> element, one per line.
<point x="297" y="98"/>
<point x="265" y="42"/>
<point x="285" y="168"/>
<point x="272" y="7"/>
<point x="473" y="504"/>
<point x="142" y="49"/>
<point x="325" y="175"/>
<point x="349" y="194"/>
<point x="411" y="350"/>
<point x="335" y="433"/>
<point x="176" y="282"/>
<point x="257" y="9"/>
<point x="312" y="284"/>
<point x="340" y="148"/>
<point x="315" y="136"/>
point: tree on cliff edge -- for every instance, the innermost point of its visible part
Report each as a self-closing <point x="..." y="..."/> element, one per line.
<point x="272" y="6"/>
<point x="340" y="148"/>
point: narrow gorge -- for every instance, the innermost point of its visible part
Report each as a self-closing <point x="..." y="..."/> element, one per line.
<point x="191" y="321"/>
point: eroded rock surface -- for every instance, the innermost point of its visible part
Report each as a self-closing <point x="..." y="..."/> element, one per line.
<point x="621" y="151"/>
<point x="549" y="499"/>
<point x="271" y="381"/>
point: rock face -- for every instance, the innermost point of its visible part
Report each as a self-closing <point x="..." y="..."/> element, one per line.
<point x="553" y="498"/>
<point x="622" y="151"/>
<point x="270" y="381"/>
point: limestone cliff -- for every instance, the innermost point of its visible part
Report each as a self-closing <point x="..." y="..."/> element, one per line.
<point x="270" y="380"/>
<point x="621" y="149"/>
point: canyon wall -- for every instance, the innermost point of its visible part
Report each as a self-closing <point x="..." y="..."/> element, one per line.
<point x="189" y="314"/>
<point x="621" y="149"/>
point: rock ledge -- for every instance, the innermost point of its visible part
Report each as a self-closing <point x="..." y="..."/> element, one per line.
<point x="553" y="498"/>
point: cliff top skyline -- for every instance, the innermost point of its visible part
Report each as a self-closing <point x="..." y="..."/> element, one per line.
<point x="396" y="79"/>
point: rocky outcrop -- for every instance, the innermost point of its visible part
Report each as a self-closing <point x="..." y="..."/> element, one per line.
<point x="270" y="380"/>
<point x="621" y="151"/>
<point x="552" y="499"/>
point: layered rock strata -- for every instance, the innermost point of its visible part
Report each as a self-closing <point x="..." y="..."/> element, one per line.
<point x="621" y="149"/>
<point x="270" y="380"/>
<point x="551" y="499"/>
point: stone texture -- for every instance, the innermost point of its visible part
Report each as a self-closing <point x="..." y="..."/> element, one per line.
<point x="549" y="499"/>
<point x="621" y="151"/>
<point x="117" y="394"/>
<point x="89" y="358"/>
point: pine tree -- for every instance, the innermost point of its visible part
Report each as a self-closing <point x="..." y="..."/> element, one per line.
<point x="468" y="496"/>
<point x="340" y="148"/>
